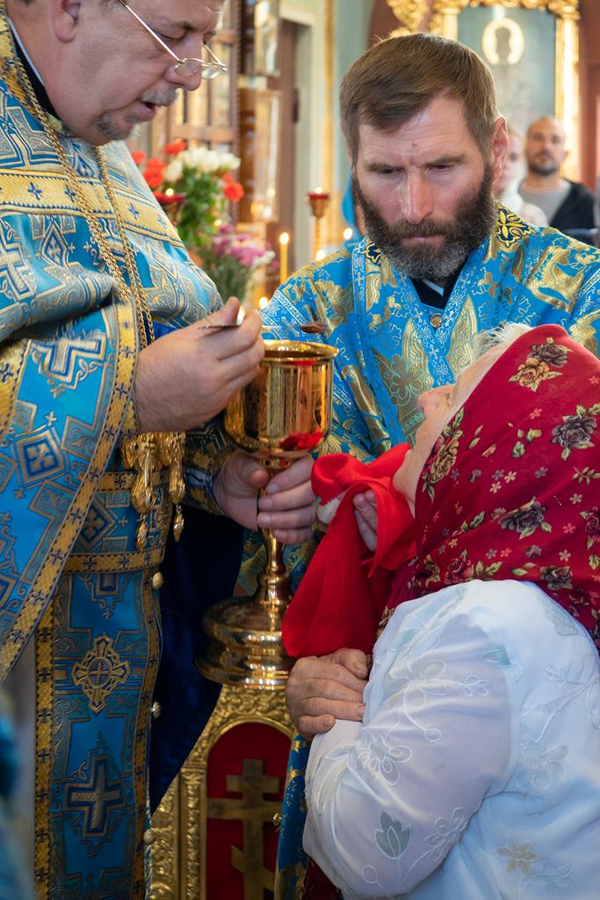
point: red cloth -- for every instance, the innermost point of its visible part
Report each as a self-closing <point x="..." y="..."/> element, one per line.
<point x="345" y="589"/>
<point x="511" y="489"/>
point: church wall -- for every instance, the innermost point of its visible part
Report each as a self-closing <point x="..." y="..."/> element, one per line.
<point x="588" y="165"/>
<point x="589" y="74"/>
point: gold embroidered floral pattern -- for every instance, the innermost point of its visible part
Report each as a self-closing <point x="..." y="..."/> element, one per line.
<point x="510" y="229"/>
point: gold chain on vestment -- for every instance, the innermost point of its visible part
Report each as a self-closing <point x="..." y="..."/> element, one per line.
<point x="151" y="452"/>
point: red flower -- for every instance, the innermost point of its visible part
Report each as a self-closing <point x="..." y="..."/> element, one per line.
<point x="139" y="157"/>
<point x="154" y="173"/>
<point x="303" y="441"/>
<point x="154" y="177"/>
<point x="176" y="147"/>
<point x="233" y="191"/>
<point x="155" y="163"/>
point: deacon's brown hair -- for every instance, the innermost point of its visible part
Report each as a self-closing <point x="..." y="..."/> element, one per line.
<point x="397" y="78"/>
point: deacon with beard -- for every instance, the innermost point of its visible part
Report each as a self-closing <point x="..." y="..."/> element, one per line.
<point x="441" y="260"/>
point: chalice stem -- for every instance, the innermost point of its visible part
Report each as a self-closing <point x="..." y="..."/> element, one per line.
<point x="274" y="589"/>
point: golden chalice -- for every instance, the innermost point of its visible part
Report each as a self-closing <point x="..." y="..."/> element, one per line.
<point x="281" y="415"/>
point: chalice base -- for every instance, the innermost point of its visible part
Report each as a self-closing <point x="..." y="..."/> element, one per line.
<point x="245" y="642"/>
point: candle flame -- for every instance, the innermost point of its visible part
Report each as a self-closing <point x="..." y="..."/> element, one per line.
<point x="347" y="233"/>
<point x="284" y="238"/>
<point x="169" y="192"/>
<point x="320" y="255"/>
<point x="263" y="302"/>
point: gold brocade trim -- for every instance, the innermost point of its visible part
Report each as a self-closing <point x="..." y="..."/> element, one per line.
<point x="205" y="500"/>
<point x="116" y="481"/>
<point x="584" y="332"/>
<point x="12" y="363"/>
<point x="54" y="197"/>
<point x="151" y="615"/>
<point x="43" y="749"/>
<point x="117" y="562"/>
<point x="58" y="552"/>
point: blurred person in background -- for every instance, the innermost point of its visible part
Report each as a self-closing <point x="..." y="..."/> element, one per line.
<point x="506" y="186"/>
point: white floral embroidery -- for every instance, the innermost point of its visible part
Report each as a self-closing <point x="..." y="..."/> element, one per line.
<point x="538" y="766"/>
<point x="554" y="878"/>
<point x="446" y="833"/>
<point x="474" y="685"/>
<point x="380" y="759"/>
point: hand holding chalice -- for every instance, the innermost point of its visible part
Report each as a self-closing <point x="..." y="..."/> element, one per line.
<point x="281" y="415"/>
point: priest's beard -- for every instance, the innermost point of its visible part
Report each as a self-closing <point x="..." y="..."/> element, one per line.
<point x="474" y="220"/>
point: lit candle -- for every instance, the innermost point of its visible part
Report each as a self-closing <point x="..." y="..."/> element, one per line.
<point x="263" y="302"/>
<point x="318" y="194"/>
<point x="347" y="234"/>
<point x="284" y="240"/>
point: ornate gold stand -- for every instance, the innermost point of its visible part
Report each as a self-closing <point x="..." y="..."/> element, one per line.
<point x="180" y="824"/>
<point x="282" y="414"/>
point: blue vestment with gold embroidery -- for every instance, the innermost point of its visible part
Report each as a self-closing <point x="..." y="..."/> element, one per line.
<point x="70" y="573"/>
<point x="392" y="348"/>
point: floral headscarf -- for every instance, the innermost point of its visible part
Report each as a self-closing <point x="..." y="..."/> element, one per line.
<point x="511" y="489"/>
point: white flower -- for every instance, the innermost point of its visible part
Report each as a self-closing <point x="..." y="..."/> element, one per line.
<point x="229" y="162"/>
<point x="174" y="170"/>
<point x="206" y="161"/>
<point x="211" y="161"/>
<point x="187" y="158"/>
<point x="195" y="158"/>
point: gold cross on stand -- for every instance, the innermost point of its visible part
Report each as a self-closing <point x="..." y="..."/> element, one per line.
<point x="254" y="811"/>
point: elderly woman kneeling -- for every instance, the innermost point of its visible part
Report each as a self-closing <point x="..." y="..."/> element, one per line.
<point x="475" y="773"/>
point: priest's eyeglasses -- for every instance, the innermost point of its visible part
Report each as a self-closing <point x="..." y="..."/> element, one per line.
<point x="188" y="67"/>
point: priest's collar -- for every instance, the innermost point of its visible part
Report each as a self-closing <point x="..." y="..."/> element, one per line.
<point x="32" y="73"/>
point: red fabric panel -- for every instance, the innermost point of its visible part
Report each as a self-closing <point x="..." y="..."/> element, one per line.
<point x="252" y="741"/>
